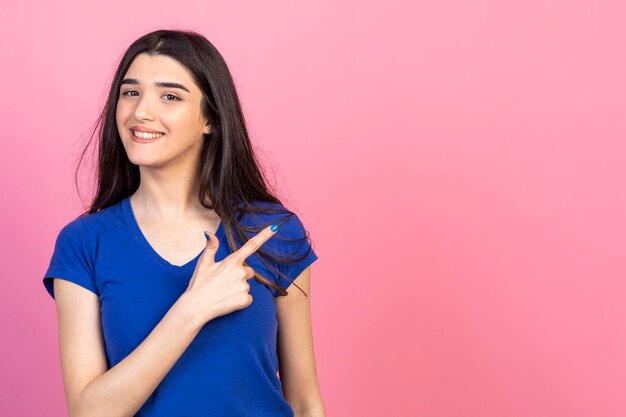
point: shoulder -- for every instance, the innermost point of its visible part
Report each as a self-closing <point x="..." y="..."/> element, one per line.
<point x="72" y="231"/>
<point x="85" y="229"/>
<point x="265" y="213"/>
<point x="291" y="238"/>
<point x="73" y="237"/>
<point x="109" y="217"/>
<point x="290" y="245"/>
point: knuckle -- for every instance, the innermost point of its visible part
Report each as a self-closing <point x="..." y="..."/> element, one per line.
<point x="242" y="272"/>
<point x="245" y="299"/>
<point x="228" y="261"/>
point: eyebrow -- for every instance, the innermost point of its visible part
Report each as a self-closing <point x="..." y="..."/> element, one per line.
<point x="160" y="84"/>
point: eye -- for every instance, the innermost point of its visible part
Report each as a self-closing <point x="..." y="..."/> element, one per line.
<point x="126" y="93"/>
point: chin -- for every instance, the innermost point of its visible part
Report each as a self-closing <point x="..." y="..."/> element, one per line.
<point x="140" y="157"/>
<point x="147" y="161"/>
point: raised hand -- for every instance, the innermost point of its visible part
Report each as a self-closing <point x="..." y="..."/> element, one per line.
<point x="219" y="288"/>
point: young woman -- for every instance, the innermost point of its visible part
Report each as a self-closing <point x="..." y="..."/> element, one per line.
<point x="157" y="318"/>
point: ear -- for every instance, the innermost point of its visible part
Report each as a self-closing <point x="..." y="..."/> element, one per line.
<point x="207" y="128"/>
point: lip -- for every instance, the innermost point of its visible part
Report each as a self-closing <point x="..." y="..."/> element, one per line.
<point x="144" y="129"/>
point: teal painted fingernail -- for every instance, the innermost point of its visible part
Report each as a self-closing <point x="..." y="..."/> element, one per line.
<point x="274" y="227"/>
<point x="207" y="236"/>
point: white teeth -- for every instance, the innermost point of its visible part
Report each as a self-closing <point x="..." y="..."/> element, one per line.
<point x="144" y="135"/>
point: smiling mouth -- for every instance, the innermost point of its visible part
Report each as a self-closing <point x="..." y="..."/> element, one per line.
<point x="143" y="137"/>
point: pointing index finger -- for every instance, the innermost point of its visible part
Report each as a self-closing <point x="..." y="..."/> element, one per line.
<point x="254" y="243"/>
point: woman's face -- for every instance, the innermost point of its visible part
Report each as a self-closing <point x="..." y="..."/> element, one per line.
<point x="173" y="110"/>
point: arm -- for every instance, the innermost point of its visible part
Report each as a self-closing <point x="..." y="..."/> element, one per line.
<point x="91" y="390"/>
<point x="295" y="350"/>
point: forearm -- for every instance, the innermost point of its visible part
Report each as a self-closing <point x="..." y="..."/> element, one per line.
<point x="123" y="389"/>
<point x="306" y="401"/>
<point x="313" y="411"/>
<point x="312" y="408"/>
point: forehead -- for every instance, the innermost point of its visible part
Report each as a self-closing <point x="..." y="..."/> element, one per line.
<point x="150" y="68"/>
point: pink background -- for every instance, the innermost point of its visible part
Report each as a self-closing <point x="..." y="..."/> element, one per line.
<point x="460" y="165"/>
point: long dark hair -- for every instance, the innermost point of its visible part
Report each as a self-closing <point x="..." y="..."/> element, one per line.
<point x="230" y="176"/>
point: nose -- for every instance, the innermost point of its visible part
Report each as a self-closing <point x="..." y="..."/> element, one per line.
<point x="143" y="108"/>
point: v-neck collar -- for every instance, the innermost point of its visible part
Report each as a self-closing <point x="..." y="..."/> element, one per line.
<point x="132" y="221"/>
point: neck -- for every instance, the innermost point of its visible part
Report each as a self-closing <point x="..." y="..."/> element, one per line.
<point x="170" y="193"/>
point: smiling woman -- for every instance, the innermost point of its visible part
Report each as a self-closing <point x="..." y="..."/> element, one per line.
<point x="150" y="312"/>
<point x="181" y="124"/>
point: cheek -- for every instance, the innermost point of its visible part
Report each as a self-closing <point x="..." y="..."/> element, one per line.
<point x="178" y="123"/>
<point x="121" y="114"/>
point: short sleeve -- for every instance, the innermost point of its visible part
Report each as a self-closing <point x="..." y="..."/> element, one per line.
<point x="296" y="246"/>
<point x="72" y="259"/>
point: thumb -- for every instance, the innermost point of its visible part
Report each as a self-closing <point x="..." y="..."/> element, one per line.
<point x="212" y="243"/>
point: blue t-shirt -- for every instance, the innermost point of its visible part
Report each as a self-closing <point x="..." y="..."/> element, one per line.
<point x="230" y="368"/>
